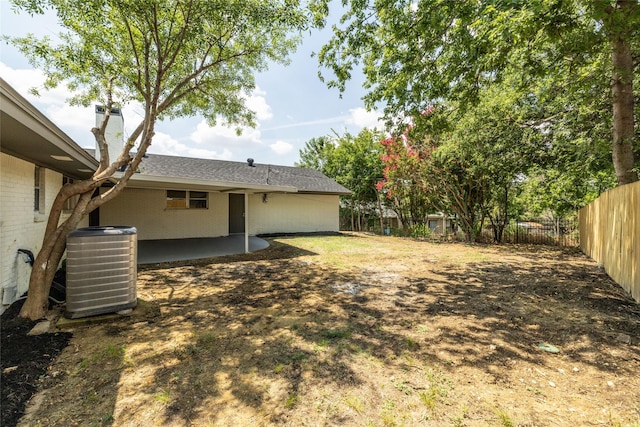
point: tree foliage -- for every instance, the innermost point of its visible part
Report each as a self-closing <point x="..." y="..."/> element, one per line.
<point x="467" y="161"/>
<point x="354" y="162"/>
<point x="575" y="57"/>
<point x="176" y="57"/>
<point x="407" y="167"/>
<point x="316" y="153"/>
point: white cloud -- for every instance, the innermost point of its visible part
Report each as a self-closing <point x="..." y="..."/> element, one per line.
<point x="21" y="79"/>
<point x="219" y="134"/>
<point x="257" y="102"/>
<point x="328" y="120"/>
<point x="81" y="119"/>
<point x="76" y="121"/>
<point x="49" y="101"/>
<point x="224" y="142"/>
<point x="358" y="117"/>
<point x="165" y="144"/>
<point x="364" y="119"/>
<point x="281" y="147"/>
<point x="225" y="154"/>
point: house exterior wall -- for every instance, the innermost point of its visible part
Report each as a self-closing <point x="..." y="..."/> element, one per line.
<point x="146" y="209"/>
<point x="20" y="226"/>
<point x="293" y="213"/>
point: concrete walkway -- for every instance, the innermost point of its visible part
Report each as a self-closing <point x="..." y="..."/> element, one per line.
<point x="155" y="251"/>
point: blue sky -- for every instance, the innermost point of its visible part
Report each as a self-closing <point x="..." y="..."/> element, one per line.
<point x="291" y="103"/>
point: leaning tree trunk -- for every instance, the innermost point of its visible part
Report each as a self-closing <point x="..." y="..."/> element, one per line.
<point x="622" y="91"/>
<point x="55" y="237"/>
<point x="46" y="263"/>
<point x="44" y="267"/>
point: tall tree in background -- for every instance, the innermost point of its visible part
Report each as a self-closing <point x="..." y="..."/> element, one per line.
<point x="415" y="53"/>
<point x="406" y="167"/>
<point x="621" y="23"/>
<point x="176" y="57"/>
<point x="467" y="161"/>
<point x="427" y="173"/>
<point x="499" y="144"/>
<point x="354" y="162"/>
<point x="316" y="153"/>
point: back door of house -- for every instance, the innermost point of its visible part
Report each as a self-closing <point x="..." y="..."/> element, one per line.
<point x="236" y="213"/>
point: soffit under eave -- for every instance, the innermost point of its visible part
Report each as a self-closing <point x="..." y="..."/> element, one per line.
<point x="162" y="183"/>
<point x="28" y="135"/>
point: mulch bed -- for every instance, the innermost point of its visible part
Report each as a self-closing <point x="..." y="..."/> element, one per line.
<point x="24" y="359"/>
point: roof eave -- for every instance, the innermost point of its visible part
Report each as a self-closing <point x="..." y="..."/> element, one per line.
<point x="19" y="116"/>
<point x="163" y="182"/>
<point x="327" y="193"/>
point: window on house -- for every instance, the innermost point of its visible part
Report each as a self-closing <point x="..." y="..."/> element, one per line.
<point x="179" y="199"/>
<point x="38" y="189"/>
<point x="176" y="199"/>
<point x="197" y="200"/>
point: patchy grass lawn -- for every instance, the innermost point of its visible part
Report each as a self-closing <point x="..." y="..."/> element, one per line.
<point x="359" y="330"/>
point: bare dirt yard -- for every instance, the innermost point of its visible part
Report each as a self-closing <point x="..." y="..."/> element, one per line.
<point x="357" y="330"/>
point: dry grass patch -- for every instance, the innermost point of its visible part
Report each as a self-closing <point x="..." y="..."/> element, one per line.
<point x="361" y="330"/>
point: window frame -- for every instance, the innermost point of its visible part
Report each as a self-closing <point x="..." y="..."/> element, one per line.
<point x="193" y="201"/>
<point x="174" y="200"/>
<point x="38" y="189"/>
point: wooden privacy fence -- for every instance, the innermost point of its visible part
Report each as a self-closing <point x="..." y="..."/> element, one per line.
<point x="610" y="234"/>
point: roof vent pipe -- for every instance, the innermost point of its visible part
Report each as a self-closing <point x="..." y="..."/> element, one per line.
<point x="250" y="162"/>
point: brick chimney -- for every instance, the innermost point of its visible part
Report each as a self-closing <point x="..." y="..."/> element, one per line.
<point x="114" y="133"/>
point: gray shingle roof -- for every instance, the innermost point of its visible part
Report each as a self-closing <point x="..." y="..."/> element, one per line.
<point x="305" y="180"/>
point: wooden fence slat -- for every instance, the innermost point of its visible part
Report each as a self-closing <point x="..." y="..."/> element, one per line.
<point x="610" y="234"/>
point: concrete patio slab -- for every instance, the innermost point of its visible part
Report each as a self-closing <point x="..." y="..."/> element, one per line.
<point x="156" y="251"/>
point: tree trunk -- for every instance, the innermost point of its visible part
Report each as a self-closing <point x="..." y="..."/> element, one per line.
<point x="622" y="91"/>
<point x="353" y="226"/>
<point x="44" y="268"/>
<point x="501" y="219"/>
<point x="46" y="263"/>
<point x="381" y="214"/>
<point x="55" y="237"/>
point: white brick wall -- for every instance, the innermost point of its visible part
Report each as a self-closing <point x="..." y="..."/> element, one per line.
<point x="293" y="213"/>
<point x="146" y="210"/>
<point x="20" y="226"/>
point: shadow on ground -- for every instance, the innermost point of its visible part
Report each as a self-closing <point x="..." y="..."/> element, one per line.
<point x="252" y="331"/>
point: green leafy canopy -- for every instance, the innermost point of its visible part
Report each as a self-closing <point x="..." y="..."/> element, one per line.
<point x="575" y="59"/>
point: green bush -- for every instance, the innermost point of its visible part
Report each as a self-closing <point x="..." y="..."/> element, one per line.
<point x="420" y="231"/>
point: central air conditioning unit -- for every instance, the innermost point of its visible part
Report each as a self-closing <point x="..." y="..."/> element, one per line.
<point x="101" y="270"/>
